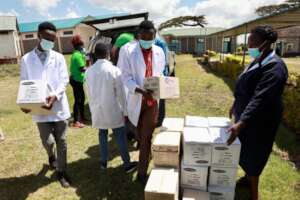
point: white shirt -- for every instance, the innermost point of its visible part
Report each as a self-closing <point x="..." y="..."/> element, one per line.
<point x="107" y="99"/>
<point x="133" y="67"/>
<point x="55" y="73"/>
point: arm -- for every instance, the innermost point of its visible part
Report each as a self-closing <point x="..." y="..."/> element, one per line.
<point x="23" y="71"/>
<point x="63" y="79"/>
<point x="120" y="92"/>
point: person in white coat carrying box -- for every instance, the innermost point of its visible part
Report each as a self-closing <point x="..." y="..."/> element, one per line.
<point x="42" y="63"/>
<point x="107" y="101"/>
<point x="138" y="61"/>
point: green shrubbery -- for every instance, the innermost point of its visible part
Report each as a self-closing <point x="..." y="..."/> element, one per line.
<point x="231" y="66"/>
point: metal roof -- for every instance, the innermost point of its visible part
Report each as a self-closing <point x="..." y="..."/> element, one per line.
<point x="8" y="23"/>
<point x="64" y="23"/>
<point x="190" y="31"/>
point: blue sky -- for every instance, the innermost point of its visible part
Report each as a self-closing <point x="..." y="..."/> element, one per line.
<point x="219" y="13"/>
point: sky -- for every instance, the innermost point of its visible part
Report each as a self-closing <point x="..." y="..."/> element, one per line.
<point x="219" y="13"/>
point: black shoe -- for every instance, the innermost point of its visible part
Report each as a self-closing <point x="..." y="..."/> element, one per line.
<point x="52" y="162"/>
<point x="243" y="182"/>
<point x="64" y="179"/>
<point x="142" y="179"/>
<point x="131" y="167"/>
<point x="103" y="166"/>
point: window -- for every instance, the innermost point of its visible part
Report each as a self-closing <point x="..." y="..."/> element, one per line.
<point x="68" y="32"/>
<point x="29" y="36"/>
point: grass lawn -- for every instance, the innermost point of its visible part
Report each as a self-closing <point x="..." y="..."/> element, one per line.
<point x="23" y="170"/>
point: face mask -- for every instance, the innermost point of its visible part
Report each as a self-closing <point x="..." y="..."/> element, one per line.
<point x="255" y="52"/>
<point x="47" y="45"/>
<point x="146" y="44"/>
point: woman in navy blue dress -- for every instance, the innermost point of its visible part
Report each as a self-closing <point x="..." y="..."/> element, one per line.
<point x="258" y="105"/>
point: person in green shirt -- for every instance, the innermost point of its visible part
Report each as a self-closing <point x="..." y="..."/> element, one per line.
<point x="123" y="39"/>
<point x="78" y="68"/>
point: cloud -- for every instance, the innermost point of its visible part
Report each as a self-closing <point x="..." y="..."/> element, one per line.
<point x="12" y="12"/>
<point x="42" y="6"/>
<point x="224" y="13"/>
<point x="71" y="13"/>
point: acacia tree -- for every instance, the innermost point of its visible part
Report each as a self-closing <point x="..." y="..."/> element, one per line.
<point x="184" y="21"/>
<point x="273" y="9"/>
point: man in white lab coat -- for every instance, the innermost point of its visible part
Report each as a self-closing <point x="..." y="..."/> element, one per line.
<point x="42" y="63"/>
<point x="107" y="101"/>
<point x="137" y="61"/>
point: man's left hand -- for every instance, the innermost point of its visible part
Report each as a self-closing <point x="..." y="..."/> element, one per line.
<point x="234" y="131"/>
<point x="50" y="101"/>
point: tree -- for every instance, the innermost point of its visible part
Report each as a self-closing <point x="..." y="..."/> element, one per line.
<point x="277" y="8"/>
<point x="184" y="21"/>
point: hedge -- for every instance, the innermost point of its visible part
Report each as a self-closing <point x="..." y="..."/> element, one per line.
<point x="231" y="67"/>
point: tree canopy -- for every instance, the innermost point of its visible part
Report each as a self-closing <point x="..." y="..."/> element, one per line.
<point x="276" y="8"/>
<point x="184" y="21"/>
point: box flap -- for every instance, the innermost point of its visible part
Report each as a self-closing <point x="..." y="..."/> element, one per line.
<point x="194" y="121"/>
<point x="173" y="124"/>
<point x="196" y="135"/>
<point x="219" y="122"/>
<point x="220" y="136"/>
<point x="167" y="141"/>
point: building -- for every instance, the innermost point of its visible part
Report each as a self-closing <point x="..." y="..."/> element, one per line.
<point x="10" y="48"/>
<point x="66" y="29"/>
<point x="289" y="41"/>
<point x="188" y="40"/>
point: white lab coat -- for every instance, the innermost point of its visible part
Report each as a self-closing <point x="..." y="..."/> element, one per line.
<point x="133" y="67"/>
<point x="106" y="95"/>
<point x="55" y="73"/>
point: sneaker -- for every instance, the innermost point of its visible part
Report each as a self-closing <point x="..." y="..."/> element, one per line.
<point x="243" y="182"/>
<point x="131" y="167"/>
<point x="103" y="166"/>
<point x="64" y="179"/>
<point x="142" y="179"/>
<point x="52" y="162"/>
<point x="78" y="125"/>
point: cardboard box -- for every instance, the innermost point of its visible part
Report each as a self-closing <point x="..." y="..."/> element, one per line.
<point x="32" y="95"/>
<point x="193" y="121"/>
<point x="194" y="177"/>
<point x="219" y="193"/>
<point x="189" y="194"/>
<point x="219" y="122"/>
<point x="197" y="147"/>
<point x="222" y="177"/>
<point x="162" y="185"/>
<point x="166" y="149"/>
<point x="163" y="87"/>
<point x="173" y="124"/>
<point x="222" y="154"/>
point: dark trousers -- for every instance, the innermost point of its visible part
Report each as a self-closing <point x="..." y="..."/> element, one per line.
<point x="79" y="99"/>
<point x="146" y="125"/>
<point x="162" y="112"/>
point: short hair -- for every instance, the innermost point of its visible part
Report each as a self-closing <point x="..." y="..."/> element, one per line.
<point x="46" y="26"/>
<point x="77" y="41"/>
<point x="266" y="32"/>
<point x="101" y="50"/>
<point x="146" y="26"/>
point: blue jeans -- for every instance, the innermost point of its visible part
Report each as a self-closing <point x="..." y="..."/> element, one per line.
<point x="120" y="136"/>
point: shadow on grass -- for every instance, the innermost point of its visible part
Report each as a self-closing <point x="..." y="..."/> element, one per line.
<point x="88" y="180"/>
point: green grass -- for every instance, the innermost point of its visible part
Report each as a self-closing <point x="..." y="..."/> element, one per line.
<point x="23" y="174"/>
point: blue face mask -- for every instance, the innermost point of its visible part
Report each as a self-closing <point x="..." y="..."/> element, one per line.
<point x="146" y="44"/>
<point x="47" y="45"/>
<point x="254" y="52"/>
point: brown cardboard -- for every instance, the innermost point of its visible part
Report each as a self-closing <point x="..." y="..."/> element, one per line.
<point x="163" y="87"/>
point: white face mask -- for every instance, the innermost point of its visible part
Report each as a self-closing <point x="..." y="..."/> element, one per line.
<point x="47" y="45"/>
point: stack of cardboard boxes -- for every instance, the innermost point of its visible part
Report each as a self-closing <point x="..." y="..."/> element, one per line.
<point x="163" y="183"/>
<point x="209" y="164"/>
<point x="208" y="168"/>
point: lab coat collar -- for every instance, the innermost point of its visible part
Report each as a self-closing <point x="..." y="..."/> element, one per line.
<point x="48" y="61"/>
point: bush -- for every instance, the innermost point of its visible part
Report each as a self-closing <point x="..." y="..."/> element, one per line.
<point x="211" y="53"/>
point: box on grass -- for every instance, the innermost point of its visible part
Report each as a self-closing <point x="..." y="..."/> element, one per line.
<point x="219" y="122"/>
<point x="219" y="193"/>
<point x="222" y="177"/>
<point x="163" y="87"/>
<point x="196" y="146"/>
<point x="222" y="154"/>
<point x="162" y="185"/>
<point x="173" y="124"/>
<point x="194" y="177"/>
<point x="194" y="121"/>
<point x="166" y="149"/>
<point x="189" y="194"/>
<point x="32" y="95"/>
